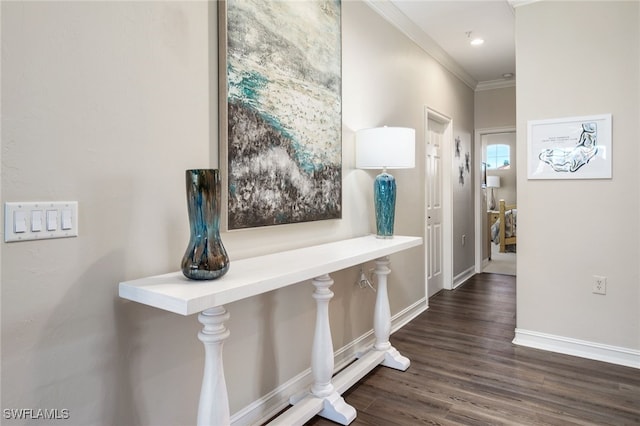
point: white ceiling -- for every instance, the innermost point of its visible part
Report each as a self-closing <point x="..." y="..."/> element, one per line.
<point x="441" y="28"/>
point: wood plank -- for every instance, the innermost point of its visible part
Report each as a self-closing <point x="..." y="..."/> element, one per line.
<point x="465" y="371"/>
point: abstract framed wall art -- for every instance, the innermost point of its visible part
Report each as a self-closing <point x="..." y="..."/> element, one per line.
<point x="570" y="148"/>
<point x="281" y="111"/>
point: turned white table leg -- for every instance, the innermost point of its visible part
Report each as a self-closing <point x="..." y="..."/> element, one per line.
<point x="322" y="350"/>
<point x="214" y="400"/>
<point x="322" y="364"/>
<point x="382" y="320"/>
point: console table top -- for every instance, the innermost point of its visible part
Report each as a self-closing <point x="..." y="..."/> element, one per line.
<point x="249" y="277"/>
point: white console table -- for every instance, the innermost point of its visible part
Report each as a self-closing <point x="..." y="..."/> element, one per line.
<point x="253" y="276"/>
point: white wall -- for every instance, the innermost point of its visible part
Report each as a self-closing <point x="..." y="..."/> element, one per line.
<point x="573" y="59"/>
<point x="107" y="103"/>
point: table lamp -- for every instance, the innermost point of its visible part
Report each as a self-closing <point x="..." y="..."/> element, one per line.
<point x="493" y="182"/>
<point x="385" y="148"/>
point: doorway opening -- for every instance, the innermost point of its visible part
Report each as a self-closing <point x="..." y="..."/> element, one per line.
<point x="495" y="156"/>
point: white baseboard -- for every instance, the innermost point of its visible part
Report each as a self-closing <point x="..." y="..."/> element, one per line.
<point x="403" y="317"/>
<point x="480" y="266"/>
<point x="261" y="410"/>
<point x="463" y="276"/>
<point x="580" y="348"/>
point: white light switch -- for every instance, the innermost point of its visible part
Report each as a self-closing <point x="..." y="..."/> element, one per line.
<point x="36" y="220"/>
<point x="24" y="221"/>
<point x="52" y="220"/>
<point x="66" y="221"/>
<point x="19" y="222"/>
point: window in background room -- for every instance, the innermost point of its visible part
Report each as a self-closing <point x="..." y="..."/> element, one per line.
<point x="498" y="157"/>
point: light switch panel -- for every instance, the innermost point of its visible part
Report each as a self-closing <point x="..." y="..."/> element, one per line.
<point x="25" y="221"/>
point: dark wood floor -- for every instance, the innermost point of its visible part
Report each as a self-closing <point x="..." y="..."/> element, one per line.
<point x="465" y="371"/>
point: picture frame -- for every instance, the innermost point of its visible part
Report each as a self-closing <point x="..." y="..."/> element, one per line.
<point x="280" y="112"/>
<point x="570" y="148"/>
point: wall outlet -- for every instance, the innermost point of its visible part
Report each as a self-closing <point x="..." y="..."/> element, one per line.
<point x="599" y="285"/>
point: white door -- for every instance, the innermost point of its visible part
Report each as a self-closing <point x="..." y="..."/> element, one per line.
<point x="434" y="230"/>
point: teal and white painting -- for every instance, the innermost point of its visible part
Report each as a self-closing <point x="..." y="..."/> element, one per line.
<point x="283" y="112"/>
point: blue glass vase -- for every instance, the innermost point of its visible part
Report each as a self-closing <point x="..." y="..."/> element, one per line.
<point x="384" y="196"/>
<point x="205" y="257"/>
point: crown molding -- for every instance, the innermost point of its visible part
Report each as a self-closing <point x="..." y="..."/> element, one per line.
<point x="494" y="84"/>
<point x="393" y="15"/>
<point x="517" y="3"/>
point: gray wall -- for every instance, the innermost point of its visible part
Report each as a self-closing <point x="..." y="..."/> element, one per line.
<point x="495" y="109"/>
<point x="107" y="103"/>
<point x="586" y="61"/>
<point x="463" y="185"/>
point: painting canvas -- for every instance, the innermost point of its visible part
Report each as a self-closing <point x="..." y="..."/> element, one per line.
<point x="281" y="118"/>
<point x="570" y="148"/>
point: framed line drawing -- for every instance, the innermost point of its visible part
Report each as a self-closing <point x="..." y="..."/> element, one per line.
<point x="280" y="91"/>
<point x="570" y="148"/>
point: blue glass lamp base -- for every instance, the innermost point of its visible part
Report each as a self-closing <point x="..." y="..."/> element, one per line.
<point x="384" y="196"/>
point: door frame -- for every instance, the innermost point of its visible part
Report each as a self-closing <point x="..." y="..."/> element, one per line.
<point x="447" y="200"/>
<point x="480" y="212"/>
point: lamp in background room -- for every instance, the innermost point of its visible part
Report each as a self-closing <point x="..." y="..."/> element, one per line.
<point x="493" y="182"/>
<point x="385" y="148"/>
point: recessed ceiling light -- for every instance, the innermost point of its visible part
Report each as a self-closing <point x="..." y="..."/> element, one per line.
<point x="475" y="41"/>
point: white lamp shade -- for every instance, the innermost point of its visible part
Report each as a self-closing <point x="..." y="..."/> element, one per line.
<point x="493" y="181"/>
<point x="386" y="148"/>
